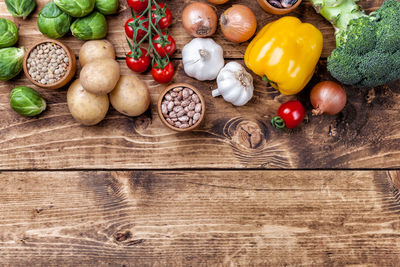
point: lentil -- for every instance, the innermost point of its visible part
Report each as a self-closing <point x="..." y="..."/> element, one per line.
<point x="181" y="107"/>
<point x="48" y="63"/>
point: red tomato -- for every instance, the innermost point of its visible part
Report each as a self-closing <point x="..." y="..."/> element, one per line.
<point x="138" y="6"/>
<point x="165" y="18"/>
<point x="140" y="63"/>
<point x="140" y="33"/>
<point x="163" y="75"/>
<point x="164" y="46"/>
<point x="292" y="113"/>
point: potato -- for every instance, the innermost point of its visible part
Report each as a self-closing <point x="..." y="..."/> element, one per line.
<point x="100" y="76"/>
<point x="95" y="49"/>
<point x="85" y="107"/>
<point x="131" y="96"/>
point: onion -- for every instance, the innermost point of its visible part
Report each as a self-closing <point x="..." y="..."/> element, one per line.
<point x="238" y="23"/>
<point x="328" y="98"/>
<point x="218" y="2"/>
<point x="199" y="19"/>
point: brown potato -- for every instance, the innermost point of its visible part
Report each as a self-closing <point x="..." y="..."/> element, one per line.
<point x="100" y="76"/>
<point x="86" y="108"/>
<point x="95" y="49"/>
<point x="131" y="96"/>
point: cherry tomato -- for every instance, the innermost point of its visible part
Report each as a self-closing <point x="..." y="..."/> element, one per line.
<point x="163" y="75"/>
<point x="138" y="6"/>
<point x="165" y="17"/>
<point x="292" y="113"/>
<point x="164" y="46"/>
<point x="139" y="64"/>
<point x="140" y="33"/>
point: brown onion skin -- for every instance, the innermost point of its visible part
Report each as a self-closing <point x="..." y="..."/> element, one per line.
<point x="217" y="2"/>
<point x="203" y="27"/>
<point x="238" y="23"/>
<point x="328" y="98"/>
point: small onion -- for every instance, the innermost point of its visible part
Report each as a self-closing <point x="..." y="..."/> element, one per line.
<point x="199" y="19"/>
<point x="328" y="98"/>
<point x="238" y="23"/>
<point x="217" y="2"/>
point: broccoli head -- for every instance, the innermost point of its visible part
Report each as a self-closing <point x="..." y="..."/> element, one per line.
<point x="368" y="47"/>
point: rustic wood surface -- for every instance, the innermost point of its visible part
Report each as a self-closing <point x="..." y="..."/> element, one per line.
<point x="365" y="135"/>
<point x="130" y="192"/>
<point x="199" y="218"/>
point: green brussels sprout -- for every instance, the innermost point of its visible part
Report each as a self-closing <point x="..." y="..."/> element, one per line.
<point x="26" y="101"/>
<point x="8" y="33"/>
<point x="90" y="27"/>
<point x="107" y="7"/>
<point x="20" y="8"/>
<point x="11" y="59"/>
<point x="53" y="22"/>
<point x="76" y="8"/>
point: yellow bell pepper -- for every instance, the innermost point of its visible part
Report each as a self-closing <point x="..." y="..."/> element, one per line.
<point x="285" y="53"/>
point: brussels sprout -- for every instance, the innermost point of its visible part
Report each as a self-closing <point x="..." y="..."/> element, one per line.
<point x="8" y="33"/>
<point x="76" y="8"/>
<point x="26" y="101"/>
<point x="107" y="7"/>
<point x="53" y="22"/>
<point x="20" y="8"/>
<point x="90" y="27"/>
<point x="11" y="59"/>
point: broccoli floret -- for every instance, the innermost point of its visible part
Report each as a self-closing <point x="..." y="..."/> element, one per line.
<point x="388" y="10"/>
<point x="359" y="31"/>
<point x="368" y="47"/>
<point x="376" y="67"/>
<point x="344" y="67"/>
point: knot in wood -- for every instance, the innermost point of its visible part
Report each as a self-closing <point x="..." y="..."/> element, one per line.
<point x="122" y="236"/>
<point x="249" y="135"/>
<point x="142" y="122"/>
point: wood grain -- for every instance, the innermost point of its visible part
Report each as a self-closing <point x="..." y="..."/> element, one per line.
<point x="199" y="218"/>
<point x="365" y="135"/>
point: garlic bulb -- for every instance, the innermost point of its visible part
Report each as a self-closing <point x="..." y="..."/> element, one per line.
<point x="202" y="59"/>
<point x="235" y="84"/>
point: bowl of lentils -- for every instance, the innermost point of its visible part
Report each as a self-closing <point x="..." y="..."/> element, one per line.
<point x="279" y="7"/>
<point x="181" y="107"/>
<point x="49" y="64"/>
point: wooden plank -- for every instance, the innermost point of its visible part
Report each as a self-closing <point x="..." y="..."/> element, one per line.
<point x="29" y="32"/>
<point x="365" y="135"/>
<point x="200" y="218"/>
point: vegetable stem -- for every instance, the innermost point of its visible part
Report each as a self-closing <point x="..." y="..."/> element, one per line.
<point x="157" y="61"/>
<point x="338" y="13"/>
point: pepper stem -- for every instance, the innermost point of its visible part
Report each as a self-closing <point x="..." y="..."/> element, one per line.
<point x="265" y="78"/>
<point x="278" y="123"/>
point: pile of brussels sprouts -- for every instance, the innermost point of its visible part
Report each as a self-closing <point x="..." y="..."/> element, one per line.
<point x="55" y="19"/>
<point x="11" y="58"/>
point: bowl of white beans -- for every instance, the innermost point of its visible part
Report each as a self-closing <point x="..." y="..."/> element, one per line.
<point x="49" y="64"/>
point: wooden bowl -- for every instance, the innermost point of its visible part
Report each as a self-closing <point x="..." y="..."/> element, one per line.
<point x="277" y="11"/>
<point x="161" y="98"/>
<point x="70" y="71"/>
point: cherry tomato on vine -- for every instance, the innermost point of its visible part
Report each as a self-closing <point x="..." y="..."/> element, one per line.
<point x="140" y="22"/>
<point x="290" y="115"/>
<point x="138" y="63"/>
<point x="138" y="6"/>
<point x="163" y="75"/>
<point x="164" y="46"/>
<point x="165" y="17"/>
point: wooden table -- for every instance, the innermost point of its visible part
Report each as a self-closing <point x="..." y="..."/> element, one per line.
<point x="131" y="192"/>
